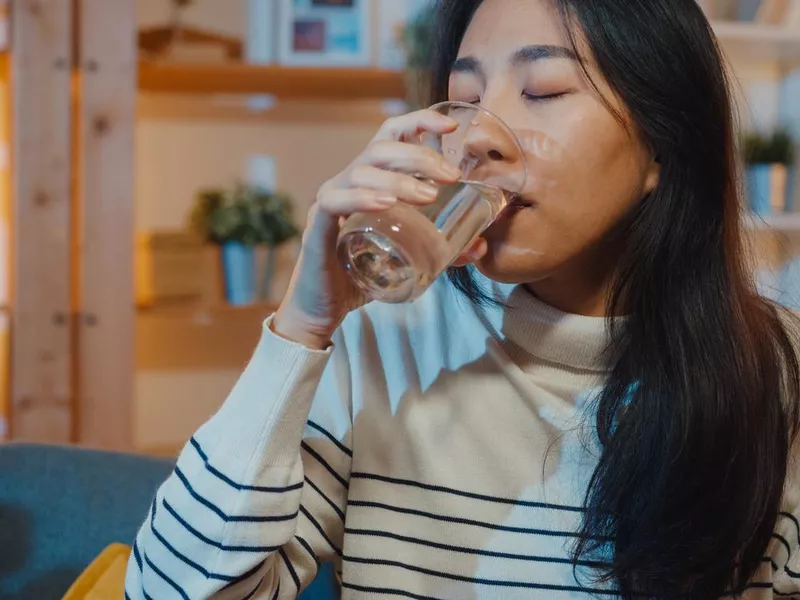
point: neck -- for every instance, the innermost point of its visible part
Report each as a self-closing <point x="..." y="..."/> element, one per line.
<point x="582" y="288"/>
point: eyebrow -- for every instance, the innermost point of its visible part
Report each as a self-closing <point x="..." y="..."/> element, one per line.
<point x="524" y="55"/>
<point x="528" y="54"/>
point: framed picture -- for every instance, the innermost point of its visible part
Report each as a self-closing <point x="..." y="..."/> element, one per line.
<point x="325" y="32"/>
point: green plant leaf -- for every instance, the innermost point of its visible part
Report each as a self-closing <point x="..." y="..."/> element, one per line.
<point x="246" y="214"/>
<point x="776" y="148"/>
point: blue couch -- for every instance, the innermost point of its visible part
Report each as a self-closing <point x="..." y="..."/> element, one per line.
<point x="60" y="506"/>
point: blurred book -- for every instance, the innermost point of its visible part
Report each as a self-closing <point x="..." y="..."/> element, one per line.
<point x="391" y="20"/>
<point x="772" y="12"/>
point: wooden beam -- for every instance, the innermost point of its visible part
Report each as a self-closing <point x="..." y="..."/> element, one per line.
<point x="41" y="117"/>
<point x="107" y="98"/>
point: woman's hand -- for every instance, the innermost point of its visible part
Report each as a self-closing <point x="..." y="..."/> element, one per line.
<point x="320" y="293"/>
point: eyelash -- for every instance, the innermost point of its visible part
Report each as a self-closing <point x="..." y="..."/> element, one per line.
<point x="542" y="98"/>
<point x="532" y="97"/>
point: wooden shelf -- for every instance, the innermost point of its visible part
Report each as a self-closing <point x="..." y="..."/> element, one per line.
<point x="282" y="82"/>
<point x="751" y="42"/>
<point x="754" y="42"/>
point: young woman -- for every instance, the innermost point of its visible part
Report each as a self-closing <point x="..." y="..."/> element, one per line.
<point x="598" y="405"/>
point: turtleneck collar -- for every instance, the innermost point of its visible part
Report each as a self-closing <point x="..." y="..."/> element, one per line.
<point x="575" y="341"/>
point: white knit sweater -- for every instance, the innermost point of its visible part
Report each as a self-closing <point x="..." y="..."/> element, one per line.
<point x="436" y="451"/>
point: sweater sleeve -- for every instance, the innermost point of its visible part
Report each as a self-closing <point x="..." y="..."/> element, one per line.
<point x="256" y="500"/>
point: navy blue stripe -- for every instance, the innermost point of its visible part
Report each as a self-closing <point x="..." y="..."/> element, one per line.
<point x="141" y="571"/>
<point x="784" y="542"/>
<point x="791" y="573"/>
<point x="209" y="541"/>
<point x="794" y="520"/>
<point x="320" y="530"/>
<point x="461" y="521"/>
<point x="474" y="551"/>
<point x="289" y="566"/>
<point x="386" y="591"/>
<point x="255" y="589"/>
<point x="773" y="564"/>
<point x="231" y="580"/>
<point x="137" y="556"/>
<point x="331" y="437"/>
<point x="277" y="591"/>
<point x="463" y="494"/>
<point x="309" y="549"/>
<point x="321" y="461"/>
<point x="226" y="517"/>
<point x="330" y="502"/>
<point x="163" y="576"/>
<point x="478" y="580"/>
<point x="184" y="559"/>
<point x="786" y="594"/>
<point x="246" y="575"/>
<point x="239" y="486"/>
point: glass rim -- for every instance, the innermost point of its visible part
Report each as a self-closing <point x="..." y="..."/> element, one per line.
<point x="477" y="107"/>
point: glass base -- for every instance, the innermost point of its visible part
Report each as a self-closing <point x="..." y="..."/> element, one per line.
<point x="378" y="266"/>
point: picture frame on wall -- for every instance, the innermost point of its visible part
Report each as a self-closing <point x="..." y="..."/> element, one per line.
<point x="322" y="33"/>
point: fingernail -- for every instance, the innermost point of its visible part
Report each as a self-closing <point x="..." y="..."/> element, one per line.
<point x="385" y="199"/>
<point x="425" y="191"/>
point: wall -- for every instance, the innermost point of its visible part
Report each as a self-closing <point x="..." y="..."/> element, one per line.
<point x="187" y="143"/>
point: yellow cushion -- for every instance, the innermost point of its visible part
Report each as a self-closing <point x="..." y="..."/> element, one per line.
<point x="104" y="579"/>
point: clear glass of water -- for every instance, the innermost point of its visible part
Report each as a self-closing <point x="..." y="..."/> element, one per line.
<point x="394" y="255"/>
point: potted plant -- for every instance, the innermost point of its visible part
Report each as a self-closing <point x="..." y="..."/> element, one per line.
<point x="769" y="161"/>
<point x="417" y="41"/>
<point x="239" y="219"/>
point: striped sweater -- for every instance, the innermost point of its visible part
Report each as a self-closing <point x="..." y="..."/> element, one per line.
<point x="435" y="451"/>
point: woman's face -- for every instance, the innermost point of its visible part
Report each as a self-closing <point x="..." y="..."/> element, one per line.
<point x="586" y="169"/>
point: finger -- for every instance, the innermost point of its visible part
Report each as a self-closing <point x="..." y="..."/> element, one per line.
<point x="398" y="128"/>
<point x="409" y="158"/>
<point x="399" y="185"/>
<point x="476" y="251"/>
<point x="341" y="202"/>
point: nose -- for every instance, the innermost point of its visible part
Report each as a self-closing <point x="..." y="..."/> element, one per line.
<point x="486" y="142"/>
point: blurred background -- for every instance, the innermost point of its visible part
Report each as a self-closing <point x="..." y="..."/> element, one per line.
<point x="157" y="160"/>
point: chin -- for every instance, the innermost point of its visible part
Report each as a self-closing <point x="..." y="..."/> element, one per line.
<point x="513" y="269"/>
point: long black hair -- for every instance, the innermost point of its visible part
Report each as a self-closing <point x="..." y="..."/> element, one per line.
<point x="698" y="414"/>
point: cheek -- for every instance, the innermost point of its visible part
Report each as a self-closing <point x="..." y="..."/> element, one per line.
<point x="586" y="173"/>
<point x="586" y="170"/>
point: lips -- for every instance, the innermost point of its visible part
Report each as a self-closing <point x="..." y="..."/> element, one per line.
<point x="519" y="202"/>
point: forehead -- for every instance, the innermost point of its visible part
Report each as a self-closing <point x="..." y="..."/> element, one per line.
<point x="500" y="27"/>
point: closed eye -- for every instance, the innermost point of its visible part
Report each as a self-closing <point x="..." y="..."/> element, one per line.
<point x="542" y="97"/>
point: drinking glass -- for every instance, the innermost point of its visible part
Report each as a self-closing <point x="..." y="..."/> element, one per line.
<point x="394" y="255"/>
